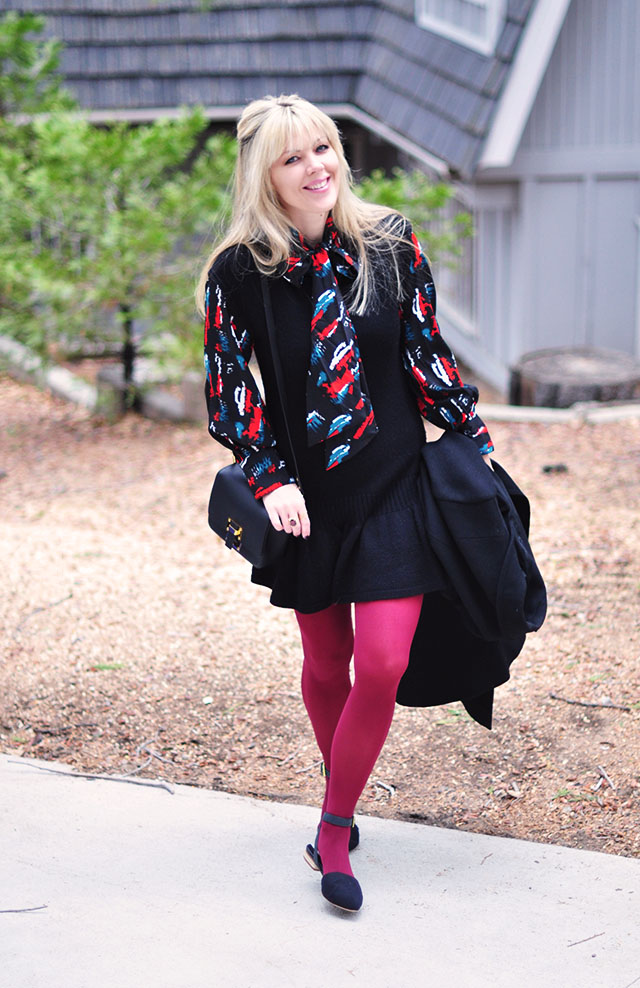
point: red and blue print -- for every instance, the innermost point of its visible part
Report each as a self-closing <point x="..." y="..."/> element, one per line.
<point x="237" y="416"/>
<point x="339" y="411"/>
<point x="442" y="397"/>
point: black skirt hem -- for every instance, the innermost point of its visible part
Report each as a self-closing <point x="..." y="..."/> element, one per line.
<point x="278" y="600"/>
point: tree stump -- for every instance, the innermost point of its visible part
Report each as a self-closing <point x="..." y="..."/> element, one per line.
<point x="561" y="376"/>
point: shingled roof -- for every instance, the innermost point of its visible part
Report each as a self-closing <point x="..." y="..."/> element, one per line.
<point x="129" y="57"/>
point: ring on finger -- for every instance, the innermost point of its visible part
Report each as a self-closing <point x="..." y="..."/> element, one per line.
<point x="293" y="521"/>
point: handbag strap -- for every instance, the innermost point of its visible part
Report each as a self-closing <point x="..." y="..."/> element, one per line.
<point x="275" y="356"/>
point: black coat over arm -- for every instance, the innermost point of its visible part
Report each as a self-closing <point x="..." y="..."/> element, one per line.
<point x="477" y="521"/>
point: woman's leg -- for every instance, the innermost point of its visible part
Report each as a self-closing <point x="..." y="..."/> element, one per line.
<point x="384" y="630"/>
<point x="327" y="644"/>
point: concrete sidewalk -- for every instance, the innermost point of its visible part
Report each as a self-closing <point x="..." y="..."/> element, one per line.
<point x="191" y="889"/>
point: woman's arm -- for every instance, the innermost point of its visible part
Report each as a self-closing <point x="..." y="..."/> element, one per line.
<point x="237" y="415"/>
<point x="442" y="397"/>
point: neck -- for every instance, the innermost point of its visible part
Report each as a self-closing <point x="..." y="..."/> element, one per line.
<point x="312" y="227"/>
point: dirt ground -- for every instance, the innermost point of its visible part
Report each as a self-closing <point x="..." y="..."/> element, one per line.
<point x="133" y="641"/>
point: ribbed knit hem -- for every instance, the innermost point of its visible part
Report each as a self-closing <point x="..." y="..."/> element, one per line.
<point x="356" y="508"/>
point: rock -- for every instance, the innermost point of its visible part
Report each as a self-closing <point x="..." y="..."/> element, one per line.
<point x="161" y="405"/>
<point x="195" y="408"/>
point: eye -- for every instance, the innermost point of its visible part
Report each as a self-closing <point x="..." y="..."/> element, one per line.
<point x="289" y="161"/>
<point x="321" y="148"/>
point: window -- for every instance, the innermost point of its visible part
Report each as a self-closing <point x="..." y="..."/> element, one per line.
<point x="474" y="23"/>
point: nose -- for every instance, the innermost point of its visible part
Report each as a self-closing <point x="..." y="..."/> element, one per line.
<point x="314" y="163"/>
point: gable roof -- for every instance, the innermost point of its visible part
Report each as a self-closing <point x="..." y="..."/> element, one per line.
<point x="434" y="91"/>
<point x="366" y="60"/>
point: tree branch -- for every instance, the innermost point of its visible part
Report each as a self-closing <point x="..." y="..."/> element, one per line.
<point x="585" y="703"/>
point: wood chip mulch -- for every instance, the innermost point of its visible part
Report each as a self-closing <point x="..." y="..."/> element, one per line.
<point x="134" y="643"/>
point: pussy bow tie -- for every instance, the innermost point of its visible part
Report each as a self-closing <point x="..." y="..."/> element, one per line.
<point x="339" y="411"/>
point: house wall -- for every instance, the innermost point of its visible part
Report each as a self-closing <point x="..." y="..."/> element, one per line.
<point x="477" y="307"/>
<point x="589" y="97"/>
<point x="576" y="215"/>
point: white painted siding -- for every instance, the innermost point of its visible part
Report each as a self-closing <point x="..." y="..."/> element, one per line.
<point x="557" y="253"/>
<point x="580" y="261"/>
<point x="572" y="257"/>
<point x="590" y="96"/>
<point x="615" y="262"/>
<point x="559" y="264"/>
<point x="580" y="162"/>
<point x="493" y="281"/>
<point x="555" y="262"/>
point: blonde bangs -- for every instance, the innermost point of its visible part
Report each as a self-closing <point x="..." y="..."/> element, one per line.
<point x="295" y="125"/>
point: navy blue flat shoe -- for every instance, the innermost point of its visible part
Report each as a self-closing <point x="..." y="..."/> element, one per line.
<point x="342" y="891"/>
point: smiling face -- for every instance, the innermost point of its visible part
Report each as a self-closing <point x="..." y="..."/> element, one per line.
<point x="306" y="180"/>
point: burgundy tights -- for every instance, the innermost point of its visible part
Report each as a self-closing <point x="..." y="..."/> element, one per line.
<point x="351" y="722"/>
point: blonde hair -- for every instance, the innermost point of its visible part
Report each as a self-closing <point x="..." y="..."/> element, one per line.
<point x="265" y="129"/>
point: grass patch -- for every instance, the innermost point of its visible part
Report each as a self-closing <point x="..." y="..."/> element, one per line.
<point x="574" y="797"/>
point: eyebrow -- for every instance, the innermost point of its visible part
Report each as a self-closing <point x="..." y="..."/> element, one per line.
<point x="316" y="140"/>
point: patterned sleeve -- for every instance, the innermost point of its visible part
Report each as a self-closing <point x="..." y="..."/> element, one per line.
<point x="237" y="415"/>
<point x="442" y="397"/>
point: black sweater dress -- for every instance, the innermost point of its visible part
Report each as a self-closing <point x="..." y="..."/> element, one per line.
<point x="367" y="539"/>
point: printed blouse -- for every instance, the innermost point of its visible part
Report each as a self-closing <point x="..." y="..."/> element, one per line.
<point x="237" y="413"/>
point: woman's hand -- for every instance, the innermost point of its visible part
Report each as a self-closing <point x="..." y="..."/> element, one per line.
<point x="287" y="510"/>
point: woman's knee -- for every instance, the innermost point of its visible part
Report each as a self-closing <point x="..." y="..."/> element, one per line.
<point x="327" y="640"/>
<point x="384" y="633"/>
<point x="379" y="666"/>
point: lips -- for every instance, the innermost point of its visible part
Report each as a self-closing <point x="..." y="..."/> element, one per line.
<point x="318" y="186"/>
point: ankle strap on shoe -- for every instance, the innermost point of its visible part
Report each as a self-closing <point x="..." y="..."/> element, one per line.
<point x="324" y="770"/>
<point x="337" y="821"/>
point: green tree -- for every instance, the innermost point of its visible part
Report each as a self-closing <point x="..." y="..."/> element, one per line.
<point x="28" y="85"/>
<point x="98" y="224"/>
<point x="28" y="79"/>
<point x="437" y="221"/>
<point x="102" y="224"/>
<point x="112" y="208"/>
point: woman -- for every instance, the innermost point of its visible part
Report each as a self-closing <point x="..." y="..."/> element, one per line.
<point x="362" y="358"/>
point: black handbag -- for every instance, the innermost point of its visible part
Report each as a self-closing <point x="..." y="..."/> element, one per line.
<point x="240" y="519"/>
